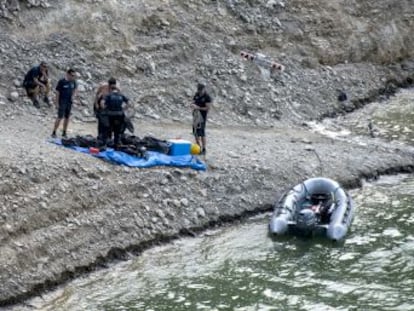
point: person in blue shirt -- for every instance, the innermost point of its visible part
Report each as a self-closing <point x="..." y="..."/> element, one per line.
<point x="66" y="90"/>
<point x="36" y="82"/>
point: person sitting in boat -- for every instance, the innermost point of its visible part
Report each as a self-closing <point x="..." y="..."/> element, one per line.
<point x="322" y="204"/>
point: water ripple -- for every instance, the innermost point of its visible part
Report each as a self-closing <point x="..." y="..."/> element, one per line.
<point x="242" y="269"/>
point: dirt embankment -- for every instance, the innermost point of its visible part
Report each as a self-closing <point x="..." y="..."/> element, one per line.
<point x="65" y="213"/>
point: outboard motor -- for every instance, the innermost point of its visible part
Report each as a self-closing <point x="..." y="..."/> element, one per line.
<point x="306" y="220"/>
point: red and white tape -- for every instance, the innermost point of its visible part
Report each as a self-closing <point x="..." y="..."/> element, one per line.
<point x="262" y="60"/>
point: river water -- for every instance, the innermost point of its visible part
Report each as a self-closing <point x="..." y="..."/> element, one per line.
<point x="241" y="268"/>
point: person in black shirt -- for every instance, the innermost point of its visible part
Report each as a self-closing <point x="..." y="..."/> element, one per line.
<point x="201" y="106"/>
<point x="102" y="118"/>
<point x="114" y="104"/>
<point x="36" y="82"/>
<point x="65" y="92"/>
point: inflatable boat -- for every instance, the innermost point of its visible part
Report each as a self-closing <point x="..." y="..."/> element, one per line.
<point x="317" y="206"/>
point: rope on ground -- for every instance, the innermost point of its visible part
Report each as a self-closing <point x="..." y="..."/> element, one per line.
<point x="320" y="162"/>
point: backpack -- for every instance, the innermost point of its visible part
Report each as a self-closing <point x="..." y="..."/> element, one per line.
<point x="26" y="80"/>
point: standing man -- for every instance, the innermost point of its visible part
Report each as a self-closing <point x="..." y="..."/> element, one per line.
<point x="201" y="106"/>
<point x="36" y="82"/>
<point x="103" y="122"/>
<point x="66" y="89"/>
<point x="114" y="104"/>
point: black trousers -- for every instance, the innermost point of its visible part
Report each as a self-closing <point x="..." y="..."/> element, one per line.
<point x="103" y="126"/>
<point x="116" y="123"/>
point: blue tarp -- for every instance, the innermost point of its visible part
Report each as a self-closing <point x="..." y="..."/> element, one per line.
<point x="152" y="158"/>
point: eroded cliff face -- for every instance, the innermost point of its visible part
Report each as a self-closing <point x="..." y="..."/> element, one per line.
<point x="158" y="49"/>
<point x="334" y="32"/>
<point x="330" y="31"/>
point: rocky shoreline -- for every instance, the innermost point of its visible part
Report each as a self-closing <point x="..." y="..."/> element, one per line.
<point x="66" y="213"/>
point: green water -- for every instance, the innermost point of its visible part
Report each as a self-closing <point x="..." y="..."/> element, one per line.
<point x="392" y="120"/>
<point x="241" y="268"/>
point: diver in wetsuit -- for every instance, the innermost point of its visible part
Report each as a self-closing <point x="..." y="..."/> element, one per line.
<point x="113" y="107"/>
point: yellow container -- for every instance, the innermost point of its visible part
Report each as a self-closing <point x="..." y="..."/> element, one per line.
<point x="195" y="149"/>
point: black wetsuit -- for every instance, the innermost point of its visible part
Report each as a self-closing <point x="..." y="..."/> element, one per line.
<point x="29" y="80"/>
<point x="115" y="114"/>
<point x="30" y="76"/>
<point x="103" y="122"/>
